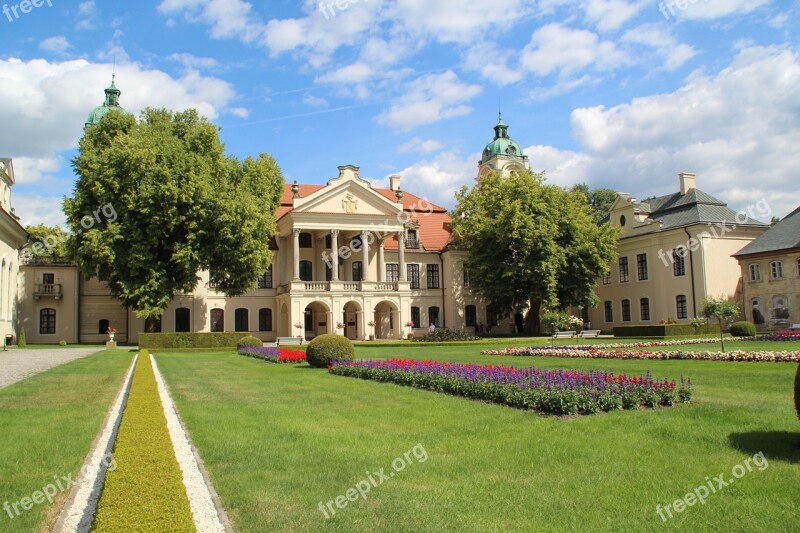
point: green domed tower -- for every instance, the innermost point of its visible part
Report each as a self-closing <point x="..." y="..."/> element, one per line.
<point x="111" y="104"/>
<point x="503" y="154"/>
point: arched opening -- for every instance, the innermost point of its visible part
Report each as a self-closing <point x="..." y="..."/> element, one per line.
<point x="315" y="320"/>
<point x="182" y="320"/>
<point x="352" y="314"/>
<point x="387" y="321"/>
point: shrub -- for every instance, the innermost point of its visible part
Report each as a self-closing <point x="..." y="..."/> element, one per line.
<point x="62" y="343"/>
<point x="797" y="392"/>
<point x="743" y="329"/>
<point x="446" y="335"/>
<point x="22" y="343"/>
<point x="190" y="340"/>
<point x="325" y="348"/>
<point x="249" y="341"/>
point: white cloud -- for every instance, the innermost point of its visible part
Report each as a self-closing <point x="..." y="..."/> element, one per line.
<point x="87" y="13"/>
<point x="555" y="48"/>
<point x="439" y="178"/>
<point x="192" y="61"/>
<point x="610" y="15"/>
<point x="737" y="130"/>
<point x="713" y="9"/>
<point x="57" y="44"/>
<point x="48" y="102"/>
<point x="241" y="112"/>
<point x="429" y="99"/>
<point x="655" y="36"/>
<point x="314" y="101"/>
<point x="35" y="209"/>
<point x="492" y="63"/>
<point x="420" y="145"/>
<point x="226" y="18"/>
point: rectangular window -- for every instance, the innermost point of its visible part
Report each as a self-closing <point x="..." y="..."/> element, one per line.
<point x="491" y="317"/>
<point x="415" y="316"/>
<point x="679" y="261"/>
<point x="433" y="316"/>
<point x="217" y="320"/>
<point x="681" y="307"/>
<point x="265" y="281"/>
<point x="413" y="275"/>
<point x="609" y="311"/>
<point x="644" y="309"/>
<point x="47" y="322"/>
<point x="392" y="272"/>
<point x="265" y="319"/>
<point x="48" y="279"/>
<point x="241" y="319"/>
<point x="357" y="270"/>
<point x="776" y="269"/>
<point x="471" y="316"/>
<point x="466" y="277"/>
<point x="306" y="271"/>
<point x="433" y="276"/>
<point x="626" y="310"/>
<point x="754" y="272"/>
<point x="641" y="266"/>
<point x="624" y="275"/>
<point x="607" y="278"/>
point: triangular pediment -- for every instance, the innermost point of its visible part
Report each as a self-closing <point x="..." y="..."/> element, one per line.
<point x="347" y="195"/>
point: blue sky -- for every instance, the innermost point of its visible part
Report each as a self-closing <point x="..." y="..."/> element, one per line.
<point x="615" y="93"/>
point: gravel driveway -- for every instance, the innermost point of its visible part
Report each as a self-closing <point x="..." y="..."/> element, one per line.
<point x="16" y="364"/>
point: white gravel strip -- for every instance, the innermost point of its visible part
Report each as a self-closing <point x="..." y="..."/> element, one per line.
<point x="17" y="364"/>
<point x="78" y="512"/>
<point x="204" y="513"/>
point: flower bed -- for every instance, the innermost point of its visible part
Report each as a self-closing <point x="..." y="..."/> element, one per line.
<point x="274" y="355"/>
<point x="592" y="352"/>
<point x="558" y="392"/>
<point x="779" y="336"/>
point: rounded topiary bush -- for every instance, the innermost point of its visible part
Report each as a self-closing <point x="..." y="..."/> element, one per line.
<point x="797" y="392"/>
<point x="743" y="329"/>
<point x="325" y="348"/>
<point x="249" y="341"/>
<point x="62" y="343"/>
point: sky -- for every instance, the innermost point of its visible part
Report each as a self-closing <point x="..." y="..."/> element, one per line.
<point x="623" y="94"/>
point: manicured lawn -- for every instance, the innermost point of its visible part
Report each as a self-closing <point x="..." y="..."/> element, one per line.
<point x="280" y="439"/>
<point x="47" y="424"/>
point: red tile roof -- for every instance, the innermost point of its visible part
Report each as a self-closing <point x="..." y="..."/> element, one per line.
<point x="433" y="220"/>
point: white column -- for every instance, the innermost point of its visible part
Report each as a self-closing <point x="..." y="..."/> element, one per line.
<point x="401" y="255"/>
<point x="381" y="262"/>
<point x="335" y="256"/>
<point x="319" y="266"/>
<point x="365" y="247"/>
<point x="296" y="252"/>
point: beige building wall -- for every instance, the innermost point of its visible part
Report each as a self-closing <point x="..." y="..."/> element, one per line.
<point x="777" y="299"/>
<point x="41" y="302"/>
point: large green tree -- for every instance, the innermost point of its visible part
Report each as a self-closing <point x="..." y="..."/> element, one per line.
<point x="531" y="244"/>
<point x="157" y="200"/>
<point x="52" y="241"/>
<point x="600" y="200"/>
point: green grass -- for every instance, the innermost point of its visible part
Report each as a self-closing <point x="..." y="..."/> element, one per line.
<point x="279" y="439"/>
<point x="145" y="492"/>
<point x="47" y="424"/>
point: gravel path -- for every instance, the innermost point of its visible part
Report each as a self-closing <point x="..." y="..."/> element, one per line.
<point x="17" y="364"/>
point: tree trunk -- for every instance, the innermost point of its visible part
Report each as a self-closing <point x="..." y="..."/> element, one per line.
<point x="532" y="323"/>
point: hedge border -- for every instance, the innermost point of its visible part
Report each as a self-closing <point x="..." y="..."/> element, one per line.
<point x="161" y="341"/>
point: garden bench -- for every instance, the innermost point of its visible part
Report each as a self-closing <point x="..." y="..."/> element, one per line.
<point x="795" y="327"/>
<point x="289" y="340"/>
<point x="563" y="334"/>
<point x="589" y="333"/>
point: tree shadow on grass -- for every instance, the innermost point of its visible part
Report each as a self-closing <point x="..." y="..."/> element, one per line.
<point x="777" y="445"/>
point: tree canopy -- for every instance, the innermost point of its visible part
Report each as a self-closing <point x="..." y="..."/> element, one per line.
<point x="531" y="244"/>
<point x="600" y="200"/>
<point x="53" y="241"/>
<point x="157" y="201"/>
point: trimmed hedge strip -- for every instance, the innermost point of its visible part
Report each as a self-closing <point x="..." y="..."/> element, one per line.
<point x="190" y="340"/>
<point x="145" y="492"/>
<point x="665" y="330"/>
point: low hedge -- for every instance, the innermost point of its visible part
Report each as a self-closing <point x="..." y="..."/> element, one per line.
<point x="145" y="491"/>
<point x="665" y="330"/>
<point x="162" y="341"/>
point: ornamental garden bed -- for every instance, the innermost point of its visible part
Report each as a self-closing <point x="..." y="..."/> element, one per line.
<point x="596" y="352"/>
<point x="557" y="391"/>
<point x="274" y="355"/>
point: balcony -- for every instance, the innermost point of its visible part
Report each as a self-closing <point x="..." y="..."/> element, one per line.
<point x="342" y="286"/>
<point x="47" y="289"/>
<point x="413" y="244"/>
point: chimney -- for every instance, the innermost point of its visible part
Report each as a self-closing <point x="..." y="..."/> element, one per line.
<point x="688" y="182"/>
<point x="394" y="182"/>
